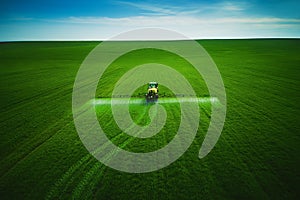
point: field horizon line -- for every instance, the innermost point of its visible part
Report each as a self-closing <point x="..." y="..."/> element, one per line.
<point x="199" y="39"/>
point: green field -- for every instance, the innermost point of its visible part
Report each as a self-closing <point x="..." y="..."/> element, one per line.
<point x="256" y="157"/>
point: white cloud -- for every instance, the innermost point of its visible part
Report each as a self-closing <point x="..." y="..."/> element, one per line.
<point x="173" y="20"/>
<point x="193" y="21"/>
<point x="193" y="27"/>
<point x="158" y="10"/>
<point x="232" y="6"/>
<point x="190" y="9"/>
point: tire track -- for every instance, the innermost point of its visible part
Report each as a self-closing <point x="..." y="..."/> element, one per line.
<point x="65" y="179"/>
<point x="96" y="172"/>
<point x="96" y="169"/>
<point x="85" y="188"/>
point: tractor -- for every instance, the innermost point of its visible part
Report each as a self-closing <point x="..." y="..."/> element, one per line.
<point x="152" y="94"/>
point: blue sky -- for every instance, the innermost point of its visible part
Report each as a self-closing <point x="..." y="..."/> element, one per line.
<point x="102" y="19"/>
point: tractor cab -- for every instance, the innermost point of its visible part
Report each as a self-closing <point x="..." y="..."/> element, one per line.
<point x="153" y="85"/>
